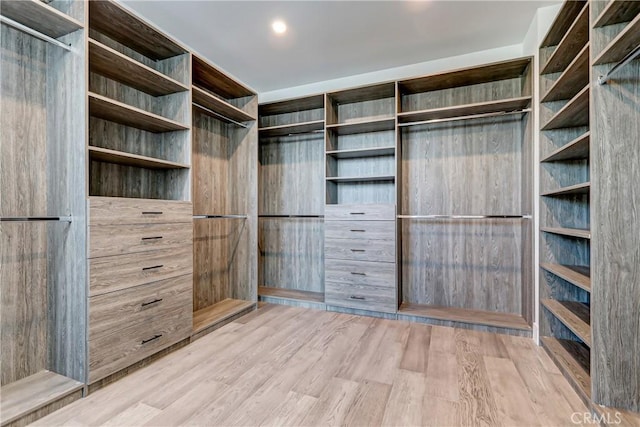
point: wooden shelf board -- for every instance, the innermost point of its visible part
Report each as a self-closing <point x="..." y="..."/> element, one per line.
<point x="128" y="159"/>
<point x="571" y="232"/>
<point x="465" y="110"/>
<point x="292" y="294"/>
<point x="296" y="128"/>
<point x="574" y="315"/>
<point x="292" y="105"/>
<point x="622" y="44"/>
<point x="40" y="16"/>
<point x="468" y="76"/>
<point x="574" y="113"/>
<point x="218" y="105"/>
<point x="112" y="64"/>
<point x="363" y="126"/>
<point x="572" y="80"/>
<point x="573" y="41"/>
<point x="341" y="179"/>
<point x="582" y="188"/>
<point x="566" y="17"/>
<point x="617" y="12"/>
<point x="476" y="317"/>
<point x="118" y="112"/>
<point x="34" y="392"/>
<point x="112" y="20"/>
<point x="573" y="360"/>
<point x="577" y="275"/>
<point x="223" y="310"/>
<point x="577" y="149"/>
<point x="362" y="152"/>
<point x="364" y="93"/>
<point x="210" y="78"/>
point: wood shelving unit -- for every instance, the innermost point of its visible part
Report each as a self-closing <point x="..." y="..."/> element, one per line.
<point x="291" y="129"/>
<point x="573" y="359"/>
<point x="363" y="126"/>
<point x="291" y="294"/>
<point x="505" y="105"/>
<point x="621" y="45"/>
<point x="478" y="317"/>
<point x="128" y="159"/>
<point x="362" y="152"/>
<point x="564" y="21"/>
<point x="569" y="232"/>
<point x="574" y="315"/>
<point x="574" y="114"/>
<point x="583" y="188"/>
<point x="576" y="149"/>
<point x="617" y="12"/>
<point x="41" y="17"/>
<point x="575" y="38"/>
<point x="576" y="275"/>
<point x="572" y="80"/>
<point x="219" y="312"/>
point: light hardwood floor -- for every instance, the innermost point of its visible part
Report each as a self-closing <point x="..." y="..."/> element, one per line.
<point x="290" y="366"/>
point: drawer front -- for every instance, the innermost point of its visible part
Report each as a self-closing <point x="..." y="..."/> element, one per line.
<point x="360" y="250"/>
<point x="360" y="230"/>
<point x="360" y="273"/>
<point x="363" y="297"/>
<point x="119" y="211"/>
<point x="113" y="312"/>
<point x="108" y="240"/>
<point x="109" y="274"/>
<point x="114" y="352"/>
<point x="360" y="212"/>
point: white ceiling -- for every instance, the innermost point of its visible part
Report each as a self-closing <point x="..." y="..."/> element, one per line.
<point x="333" y="39"/>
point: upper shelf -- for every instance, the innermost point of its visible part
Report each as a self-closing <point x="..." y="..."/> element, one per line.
<point x="118" y="112"/>
<point x="362" y="152"/>
<point x="577" y="149"/>
<point x="573" y="41"/>
<point x="624" y="43"/>
<point x="580" y="233"/>
<point x="292" y="105"/>
<point x="112" y="20"/>
<point x="566" y="17"/>
<point x="364" y="93"/>
<point x="363" y="126"/>
<point x="214" y="80"/>
<point x="616" y="12"/>
<point x="129" y="159"/>
<point x="502" y="105"/>
<point x="40" y="17"/>
<point x="582" y="188"/>
<point x="575" y="113"/>
<point x="574" y="78"/>
<point x="219" y="106"/>
<point x="112" y="64"/>
<point x="292" y="129"/>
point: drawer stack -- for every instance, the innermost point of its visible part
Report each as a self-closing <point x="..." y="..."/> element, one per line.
<point x="140" y="280"/>
<point x="360" y="257"/>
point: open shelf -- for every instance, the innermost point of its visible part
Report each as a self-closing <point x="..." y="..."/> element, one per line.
<point x="572" y="80"/>
<point x="128" y="159"/>
<point x="362" y="152"/>
<point x="574" y="315"/>
<point x="577" y="275"/>
<point x="112" y="64"/>
<point x="110" y="19"/>
<point x="569" y="232"/>
<point x="565" y="19"/>
<point x="207" y="76"/>
<point x="622" y="44"/>
<point x="292" y="129"/>
<point x="570" y="190"/>
<point x="573" y="41"/>
<point x="118" y="112"/>
<point x="574" y="113"/>
<point x="616" y="12"/>
<point x="363" y="93"/>
<point x="39" y="16"/>
<point x="462" y="315"/>
<point x="577" y="149"/>
<point x="363" y="126"/>
<point x="292" y="105"/>
<point x="502" y="105"/>
<point x="218" y="105"/>
<point x="573" y="360"/>
<point x="216" y="313"/>
<point x="291" y="294"/>
<point x="339" y="179"/>
<point x="34" y="392"/>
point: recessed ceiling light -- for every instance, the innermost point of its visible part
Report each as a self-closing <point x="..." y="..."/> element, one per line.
<point x="279" y="26"/>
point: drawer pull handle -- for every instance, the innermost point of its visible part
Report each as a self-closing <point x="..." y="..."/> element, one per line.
<point x="356" y="213"/>
<point x="153" y="268"/>
<point x="358" y="231"/>
<point x="155" y="337"/>
<point x="357" y="298"/>
<point x="358" y="274"/>
<point x="155" y="301"/>
<point x="152" y="213"/>
<point x="358" y="250"/>
<point x="152" y="238"/>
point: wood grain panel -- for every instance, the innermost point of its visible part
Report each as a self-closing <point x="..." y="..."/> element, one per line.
<point x="108" y="240"/>
<point x="365" y="273"/>
<point x="360" y="296"/>
<point x="120" y="211"/>
<point x="360" y="250"/>
<point x="359" y="212"/>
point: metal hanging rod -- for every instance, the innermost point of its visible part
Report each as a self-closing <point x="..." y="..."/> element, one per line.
<point x="208" y="110"/>
<point x="290" y="216"/>
<point x="18" y="26"/>
<point x="220" y="216"/>
<point x="464" y="216"/>
<point x="602" y="80"/>
<point x="472" y="116"/>
<point x="295" y="133"/>
<point x="35" y="218"/>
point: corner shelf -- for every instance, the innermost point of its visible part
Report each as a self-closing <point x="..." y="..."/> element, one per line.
<point x="362" y="152"/>
<point x="580" y="233"/>
<point x="363" y="126"/>
<point x="128" y="159"/>
<point x="572" y="80"/>
<point x="477" y="317"/>
<point x="219" y="312"/>
<point x="219" y="106"/>
<point x="575" y="274"/>
<point x="118" y="112"/>
<point x="112" y="64"/>
<point x="577" y="149"/>
<point x="574" y="315"/>
<point x="291" y="129"/>
<point x="340" y="179"/>
<point x="573" y="360"/>
<point x="465" y="110"/>
<point x="575" y="38"/>
<point x="575" y="113"/>
<point x="616" y="12"/>
<point x="40" y="17"/>
<point x="619" y="47"/>
<point x="570" y="190"/>
<point x="291" y="294"/>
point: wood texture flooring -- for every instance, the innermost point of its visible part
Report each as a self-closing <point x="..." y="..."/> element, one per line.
<point x="283" y="365"/>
